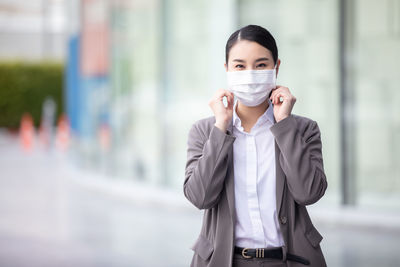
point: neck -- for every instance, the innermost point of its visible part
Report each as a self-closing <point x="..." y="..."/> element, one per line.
<point x="251" y="114"/>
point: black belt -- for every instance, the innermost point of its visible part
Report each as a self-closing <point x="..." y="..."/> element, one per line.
<point x="275" y="253"/>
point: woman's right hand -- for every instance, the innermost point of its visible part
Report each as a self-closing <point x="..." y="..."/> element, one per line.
<point x="222" y="114"/>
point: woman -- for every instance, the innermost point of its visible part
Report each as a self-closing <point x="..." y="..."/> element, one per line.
<point x="253" y="166"/>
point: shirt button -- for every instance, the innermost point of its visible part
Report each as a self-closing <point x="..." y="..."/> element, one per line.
<point x="283" y="219"/>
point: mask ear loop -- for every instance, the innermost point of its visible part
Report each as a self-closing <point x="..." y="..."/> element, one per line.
<point x="276" y="76"/>
<point x="276" y="64"/>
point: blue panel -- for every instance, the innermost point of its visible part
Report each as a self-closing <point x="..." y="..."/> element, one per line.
<point x="73" y="83"/>
<point x="94" y="105"/>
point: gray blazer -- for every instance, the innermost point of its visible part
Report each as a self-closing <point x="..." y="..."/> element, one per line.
<point x="300" y="181"/>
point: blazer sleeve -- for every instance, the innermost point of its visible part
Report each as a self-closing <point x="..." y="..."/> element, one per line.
<point x="301" y="159"/>
<point x="206" y="165"/>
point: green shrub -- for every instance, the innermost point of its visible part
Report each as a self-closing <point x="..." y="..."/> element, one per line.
<point x="25" y="86"/>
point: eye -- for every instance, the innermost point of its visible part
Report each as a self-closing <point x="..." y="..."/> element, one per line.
<point x="261" y="65"/>
<point x="239" y="66"/>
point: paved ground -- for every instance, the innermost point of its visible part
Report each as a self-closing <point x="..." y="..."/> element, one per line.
<point x="52" y="215"/>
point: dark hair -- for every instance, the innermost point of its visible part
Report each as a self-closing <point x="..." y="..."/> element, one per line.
<point x="252" y="33"/>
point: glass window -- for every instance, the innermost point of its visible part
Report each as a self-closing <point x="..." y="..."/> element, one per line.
<point x="308" y="48"/>
<point x="377" y="96"/>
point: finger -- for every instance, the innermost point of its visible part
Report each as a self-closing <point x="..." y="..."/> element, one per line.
<point x="224" y="98"/>
<point x="276" y="99"/>
<point x="230" y="98"/>
<point x="282" y="95"/>
<point x="276" y="87"/>
<point x="228" y="93"/>
<point x="282" y="87"/>
<point x="273" y="97"/>
<point x="219" y="93"/>
<point x="230" y="103"/>
<point x="275" y="91"/>
<point x="279" y="90"/>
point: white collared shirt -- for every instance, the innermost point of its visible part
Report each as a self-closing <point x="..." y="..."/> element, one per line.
<point x="257" y="223"/>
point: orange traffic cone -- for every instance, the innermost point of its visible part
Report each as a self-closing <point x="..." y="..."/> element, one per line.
<point x="27" y="132"/>
<point x="44" y="136"/>
<point x="63" y="133"/>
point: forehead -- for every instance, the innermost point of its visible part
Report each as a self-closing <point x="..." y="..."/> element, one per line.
<point x="248" y="50"/>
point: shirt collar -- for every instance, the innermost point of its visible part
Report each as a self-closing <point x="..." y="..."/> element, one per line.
<point x="235" y="118"/>
<point x="267" y="115"/>
<point x="270" y="111"/>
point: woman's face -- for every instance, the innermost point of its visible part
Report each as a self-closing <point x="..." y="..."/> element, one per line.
<point x="249" y="55"/>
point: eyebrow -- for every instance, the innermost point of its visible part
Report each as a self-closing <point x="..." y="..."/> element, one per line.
<point x="261" y="59"/>
<point x="257" y="60"/>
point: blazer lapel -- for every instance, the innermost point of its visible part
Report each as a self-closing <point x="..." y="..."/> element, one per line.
<point x="280" y="176"/>
<point x="280" y="179"/>
<point x="229" y="180"/>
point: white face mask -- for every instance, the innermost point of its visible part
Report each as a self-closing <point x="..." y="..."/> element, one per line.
<point x="251" y="87"/>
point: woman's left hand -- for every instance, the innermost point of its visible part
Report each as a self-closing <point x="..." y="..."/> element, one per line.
<point x="282" y="109"/>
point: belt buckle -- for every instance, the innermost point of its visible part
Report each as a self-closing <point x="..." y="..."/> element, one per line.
<point x="259" y="253"/>
<point x="244" y="253"/>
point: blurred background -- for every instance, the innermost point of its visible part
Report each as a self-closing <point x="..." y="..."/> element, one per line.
<point x="97" y="98"/>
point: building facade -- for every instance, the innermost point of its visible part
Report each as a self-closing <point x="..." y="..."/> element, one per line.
<point x="141" y="72"/>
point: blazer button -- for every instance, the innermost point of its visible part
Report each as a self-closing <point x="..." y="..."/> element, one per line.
<point x="283" y="219"/>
